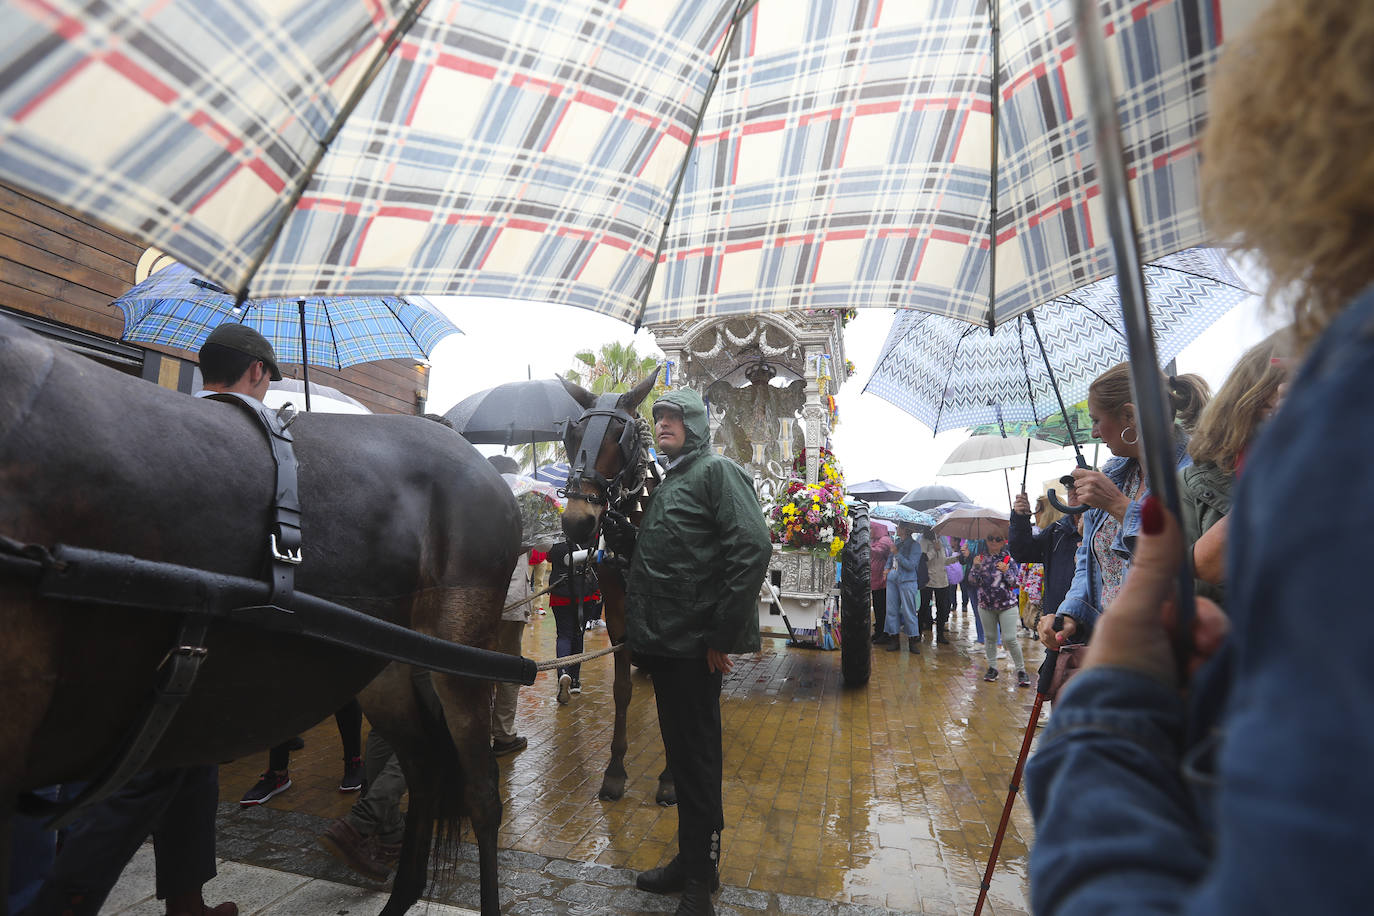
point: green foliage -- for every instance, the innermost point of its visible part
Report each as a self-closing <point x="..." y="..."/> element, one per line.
<point x="616" y="368"/>
<point x="547" y="452"/>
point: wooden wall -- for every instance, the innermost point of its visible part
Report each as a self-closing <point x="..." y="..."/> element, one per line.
<point x="66" y="270"/>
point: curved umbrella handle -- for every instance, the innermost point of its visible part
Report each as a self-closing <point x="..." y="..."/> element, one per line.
<point x="1053" y="497"/>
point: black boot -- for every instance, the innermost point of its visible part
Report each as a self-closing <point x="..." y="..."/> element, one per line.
<point x="940" y="635"/>
<point x="669" y="879"/>
<point x="696" y="898"/>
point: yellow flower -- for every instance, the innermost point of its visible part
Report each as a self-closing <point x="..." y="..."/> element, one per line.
<point x="836" y="546"/>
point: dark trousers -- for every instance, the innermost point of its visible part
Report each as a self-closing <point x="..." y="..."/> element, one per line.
<point x="568" y="626"/>
<point x="349" y="719"/>
<point x="176" y="806"/>
<point x="688" y="697"/>
<point x="879" y="610"/>
<point x="944" y="603"/>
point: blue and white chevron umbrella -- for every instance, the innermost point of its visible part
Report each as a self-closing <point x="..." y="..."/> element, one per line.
<point x="951" y="374"/>
<point x="176" y="308"/>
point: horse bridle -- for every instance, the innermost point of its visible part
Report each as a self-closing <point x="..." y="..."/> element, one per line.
<point x="614" y="493"/>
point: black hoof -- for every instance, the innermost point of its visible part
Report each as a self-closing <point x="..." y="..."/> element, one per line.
<point x="612" y="788"/>
<point x="667" y="795"/>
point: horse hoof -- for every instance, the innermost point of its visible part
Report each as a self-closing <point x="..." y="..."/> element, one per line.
<point x="667" y="796"/>
<point x="611" y="789"/>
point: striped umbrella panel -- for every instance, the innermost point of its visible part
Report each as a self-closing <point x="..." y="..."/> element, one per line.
<point x="950" y="374"/>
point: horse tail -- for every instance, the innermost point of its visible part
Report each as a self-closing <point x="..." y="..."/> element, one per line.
<point x="447" y="785"/>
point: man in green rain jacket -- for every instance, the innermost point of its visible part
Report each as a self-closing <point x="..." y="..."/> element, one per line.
<point x="692" y="601"/>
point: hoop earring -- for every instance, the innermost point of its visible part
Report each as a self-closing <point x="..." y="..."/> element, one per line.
<point x="1135" y="435"/>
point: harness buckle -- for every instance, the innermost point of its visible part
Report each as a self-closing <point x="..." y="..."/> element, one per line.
<point x="188" y="651"/>
<point x="284" y="555"/>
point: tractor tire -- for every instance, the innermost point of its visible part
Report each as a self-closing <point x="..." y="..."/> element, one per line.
<point x="856" y="602"/>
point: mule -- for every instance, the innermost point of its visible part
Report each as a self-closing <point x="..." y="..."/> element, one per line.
<point x="94" y="458"/>
<point x="588" y="500"/>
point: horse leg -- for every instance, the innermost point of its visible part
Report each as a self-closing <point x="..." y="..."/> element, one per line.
<point x="613" y="605"/>
<point x="467" y="712"/>
<point x="393" y="708"/>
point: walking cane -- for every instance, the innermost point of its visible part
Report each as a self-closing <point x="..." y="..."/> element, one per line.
<point x="1042" y="685"/>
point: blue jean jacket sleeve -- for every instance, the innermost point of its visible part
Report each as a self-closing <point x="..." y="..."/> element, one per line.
<point x="1114" y="828"/>
<point x="1080" y="603"/>
<point x="1117" y="827"/>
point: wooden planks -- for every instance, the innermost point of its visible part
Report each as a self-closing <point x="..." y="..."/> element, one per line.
<point x="62" y="267"/>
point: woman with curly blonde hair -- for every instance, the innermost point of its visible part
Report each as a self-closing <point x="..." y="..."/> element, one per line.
<point x="1249" y="791"/>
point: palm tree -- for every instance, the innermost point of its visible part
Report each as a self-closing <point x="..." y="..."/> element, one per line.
<point x="546" y="452"/>
<point x="614" y="369"/>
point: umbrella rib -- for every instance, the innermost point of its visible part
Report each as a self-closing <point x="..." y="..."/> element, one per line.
<point x="952" y="360"/>
<point x="1095" y="313"/>
<point x="403" y="25"/>
<point x="405" y="327"/>
<point x="646" y="286"/>
<point x="1154" y="265"/>
<point x="994" y="82"/>
<point x="1025" y="369"/>
<point x="329" y="322"/>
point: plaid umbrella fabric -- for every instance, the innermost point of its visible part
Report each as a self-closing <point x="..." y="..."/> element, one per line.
<point x="532" y="150"/>
<point x="951" y="374"/>
<point x="176" y="308"/>
<point x="512" y="149"/>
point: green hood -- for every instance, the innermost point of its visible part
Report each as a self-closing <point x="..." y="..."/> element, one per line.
<point x="693" y="418"/>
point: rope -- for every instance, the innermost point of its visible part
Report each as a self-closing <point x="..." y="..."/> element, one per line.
<point x="567" y="660"/>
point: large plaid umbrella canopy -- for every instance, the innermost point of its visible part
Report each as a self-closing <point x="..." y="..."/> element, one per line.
<point x="535" y="150"/>
<point x="176" y="308"/>
<point x="951" y="374"/>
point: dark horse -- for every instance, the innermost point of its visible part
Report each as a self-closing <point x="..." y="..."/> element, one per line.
<point x="601" y="487"/>
<point x="93" y="458"/>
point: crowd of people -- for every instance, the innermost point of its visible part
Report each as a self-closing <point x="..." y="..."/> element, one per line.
<point x="1230" y="779"/>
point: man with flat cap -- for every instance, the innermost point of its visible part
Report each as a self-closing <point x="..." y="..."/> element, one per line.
<point x="691" y="602"/>
<point x="235" y="358"/>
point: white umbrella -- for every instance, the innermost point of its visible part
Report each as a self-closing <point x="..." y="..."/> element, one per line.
<point x="994" y="453"/>
<point x="323" y="399"/>
<point x="973" y="523"/>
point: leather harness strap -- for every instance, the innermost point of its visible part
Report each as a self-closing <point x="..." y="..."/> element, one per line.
<point x="182" y="662"/>
<point x="284" y="532"/>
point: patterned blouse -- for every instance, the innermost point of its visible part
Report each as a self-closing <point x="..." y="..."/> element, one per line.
<point x="1111" y="564"/>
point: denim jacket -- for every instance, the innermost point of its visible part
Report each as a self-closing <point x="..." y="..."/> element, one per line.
<point x="1254" y="797"/>
<point x="1082" y="603"/>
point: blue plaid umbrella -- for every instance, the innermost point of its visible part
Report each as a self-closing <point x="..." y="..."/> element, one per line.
<point x="951" y="374"/>
<point x="176" y="308"/>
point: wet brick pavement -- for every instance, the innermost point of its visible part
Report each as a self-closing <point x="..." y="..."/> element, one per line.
<point x="877" y="800"/>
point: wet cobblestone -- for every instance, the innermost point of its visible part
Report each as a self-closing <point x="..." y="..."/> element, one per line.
<point x="861" y="802"/>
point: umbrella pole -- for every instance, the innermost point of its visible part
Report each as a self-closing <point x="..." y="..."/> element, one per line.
<point x="305" y="361"/>
<point x="1025" y="469"/>
<point x="1151" y="401"/>
<point x="1007" y="480"/>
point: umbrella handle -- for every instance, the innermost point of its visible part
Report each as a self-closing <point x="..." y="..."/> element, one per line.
<point x="1054" y="497"/>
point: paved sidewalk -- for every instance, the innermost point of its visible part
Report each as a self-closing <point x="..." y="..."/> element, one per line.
<point x="872" y="801"/>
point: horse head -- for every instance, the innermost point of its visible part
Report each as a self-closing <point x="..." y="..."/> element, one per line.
<point x="605" y="457"/>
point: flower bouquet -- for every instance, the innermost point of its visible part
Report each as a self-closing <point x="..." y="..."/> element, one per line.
<point x="810" y="517"/>
<point x="828" y="473"/>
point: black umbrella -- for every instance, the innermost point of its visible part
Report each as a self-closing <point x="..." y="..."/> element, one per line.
<point x="515" y="413"/>
<point x="876" y="491"/>
<point x="932" y="495"/>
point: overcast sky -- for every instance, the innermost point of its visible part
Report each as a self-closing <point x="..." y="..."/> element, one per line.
<point x="507" y="340"/>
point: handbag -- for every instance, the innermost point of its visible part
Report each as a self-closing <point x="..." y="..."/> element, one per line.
<point x="955" y="571"/>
